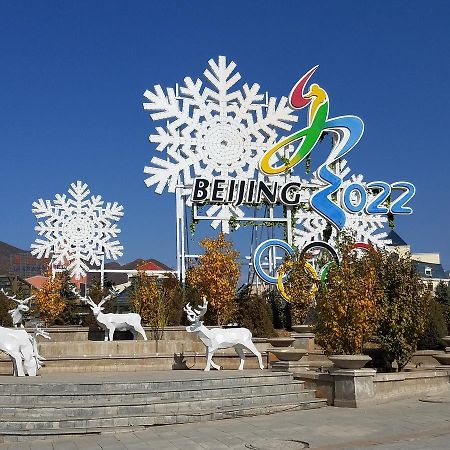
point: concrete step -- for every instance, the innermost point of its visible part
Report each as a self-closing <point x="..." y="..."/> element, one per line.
<point x="34" y="386"/>
<point x="27" y="426"/>
<point x="142" y="396"/>
<point x="81" y="413"/>
<point x="137" y="423"/>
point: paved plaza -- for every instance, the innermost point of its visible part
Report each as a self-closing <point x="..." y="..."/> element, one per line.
<point x="406" y="424"/>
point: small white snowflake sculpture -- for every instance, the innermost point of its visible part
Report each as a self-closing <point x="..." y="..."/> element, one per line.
<point x="213" y="131"/>
<point x="77" y="230"/>
<point x="364" y="227"/>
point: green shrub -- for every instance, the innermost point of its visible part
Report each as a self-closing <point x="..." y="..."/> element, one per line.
<point x="442" y="293"/>
<point x="435" y="328"/>
<point x="404" y="306"/>
<point x="280" y="311"/>
<point x="253" y="312"/>
<point x="5" y="306"/>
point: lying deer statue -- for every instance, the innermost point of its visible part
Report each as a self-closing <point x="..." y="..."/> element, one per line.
<point x="216" y="338"/>
<point x="22" y="348"/>
<point x="111" y="322"/>
<point x="22" y="307"/>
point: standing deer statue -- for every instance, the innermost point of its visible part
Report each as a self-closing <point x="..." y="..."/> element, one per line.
<point x="111" y="322"/>
<point x="216" y="338"/>
<point x="22" y="307"/>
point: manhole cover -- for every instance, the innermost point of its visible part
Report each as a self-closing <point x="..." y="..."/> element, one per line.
<point x="270" y="444"/>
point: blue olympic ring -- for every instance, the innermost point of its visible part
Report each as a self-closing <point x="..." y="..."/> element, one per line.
<point x="257" y="258"/>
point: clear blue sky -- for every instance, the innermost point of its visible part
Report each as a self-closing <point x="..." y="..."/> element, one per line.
<point x="72" y="75"/>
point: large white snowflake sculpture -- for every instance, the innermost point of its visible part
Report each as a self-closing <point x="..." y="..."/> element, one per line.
<point x="211" y="131"/>
<point x="77" y="230"/>
<point x="364" y="227"/>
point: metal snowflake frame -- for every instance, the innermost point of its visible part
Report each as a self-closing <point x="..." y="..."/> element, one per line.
<point x="77" y="230"/>
<point x="216" y="130"/>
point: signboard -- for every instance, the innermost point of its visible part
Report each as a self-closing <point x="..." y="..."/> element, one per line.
<point x="228" y="148"/>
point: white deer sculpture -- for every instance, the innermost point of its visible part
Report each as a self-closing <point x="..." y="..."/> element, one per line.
<point x="216" y="338"/>
<point x="22" y="307"/>
<point x="111" y="322"/>
<point x="22" y="348"/>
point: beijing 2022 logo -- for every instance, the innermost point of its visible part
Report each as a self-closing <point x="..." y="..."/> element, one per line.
<point x="347" y="131"/>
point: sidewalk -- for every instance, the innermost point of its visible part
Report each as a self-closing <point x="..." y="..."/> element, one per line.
<point x="407" y="424"/>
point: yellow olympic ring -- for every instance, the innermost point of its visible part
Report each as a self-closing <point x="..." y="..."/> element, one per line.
<point x="314" y="289"/>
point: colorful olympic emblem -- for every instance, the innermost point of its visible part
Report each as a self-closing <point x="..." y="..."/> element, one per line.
<point x="281" y="277"/>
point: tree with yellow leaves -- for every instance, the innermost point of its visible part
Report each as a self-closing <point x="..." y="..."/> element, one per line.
<point x="299" y="287"/>
<point x="153" y="299"/>
<point x="144" y="292"/>
<point x="49" y="299"/>
<point x="347" y="305"/>
<point x="216" y="276"/>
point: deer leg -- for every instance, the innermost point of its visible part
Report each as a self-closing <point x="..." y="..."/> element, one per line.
<point x="241" y="355"/>
<point x="141" y="330"/>
<point x="106" y="334"/>
<point x="251" y="346"/>
<point x="111" y="334"/>
<point x="14" y="366"/>
<point x="214" y="365"/>
<point x="18" y="365"/>
<point x="209" y="361"/>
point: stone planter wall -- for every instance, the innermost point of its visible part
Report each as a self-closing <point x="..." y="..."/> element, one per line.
<point x="392" y="386"/>
<point x="384" y="387"/>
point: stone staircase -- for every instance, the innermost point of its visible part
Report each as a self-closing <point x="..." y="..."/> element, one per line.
<point x="35" y="408"/>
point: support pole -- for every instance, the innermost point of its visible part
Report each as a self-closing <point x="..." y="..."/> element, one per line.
<point x="181" y="235"/>
<point x="273" y="270"/>
<point x="183" y="238"/>
<point x="177" y="211"/>
<point x="102" y="272"/>
<point x="289" y="225"/>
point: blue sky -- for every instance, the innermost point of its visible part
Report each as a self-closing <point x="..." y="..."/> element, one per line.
<point x="73" y="74"/>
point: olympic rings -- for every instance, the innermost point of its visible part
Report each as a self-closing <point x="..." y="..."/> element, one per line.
<point x="281" y="276"/>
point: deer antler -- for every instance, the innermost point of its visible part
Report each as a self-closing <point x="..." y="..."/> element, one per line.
<point x="201" y="310"/>
<point x="195" y="314"/>
<point x="25" y="300"/>
<point x="11" y="297"/>
<point x="87" y="300"/>
<point x="38" y="331"/>
<point x="104" y="300"/>
<point x="190" y="314"/>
